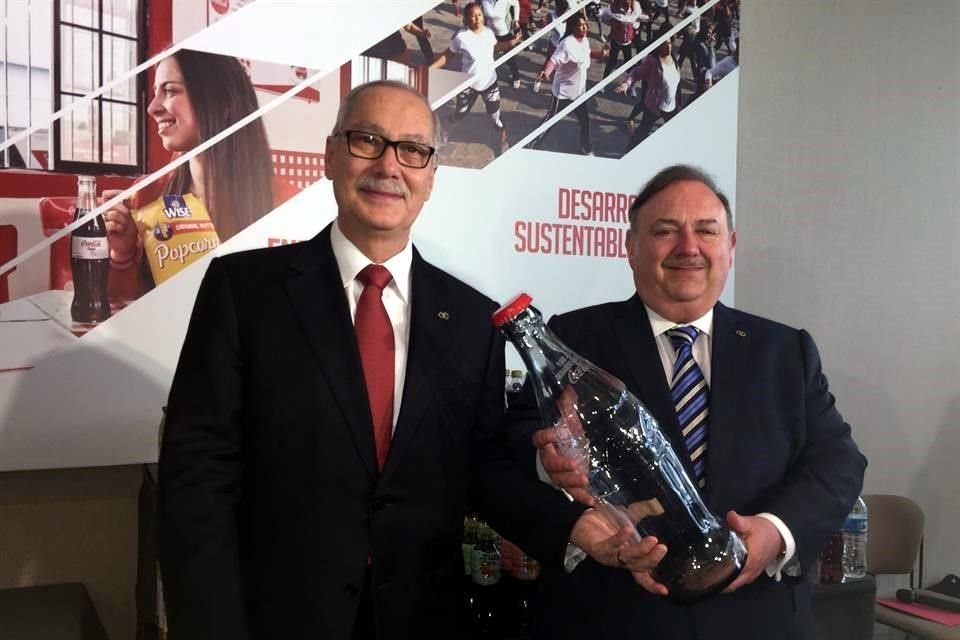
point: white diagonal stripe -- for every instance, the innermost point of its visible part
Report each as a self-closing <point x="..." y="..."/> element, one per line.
<point x="686" y="367"/>
<point x="698" y="452"/>
<point x="693" y="391"/>
<point x="697" y="419"/>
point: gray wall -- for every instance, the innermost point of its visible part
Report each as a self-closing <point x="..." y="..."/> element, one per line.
<point x="848" y="191"/>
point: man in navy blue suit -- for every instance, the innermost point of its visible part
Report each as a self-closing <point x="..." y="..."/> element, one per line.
<point x="776" y="459"/>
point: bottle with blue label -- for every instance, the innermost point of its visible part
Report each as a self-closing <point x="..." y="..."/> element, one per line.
<point x="855" y="542"/>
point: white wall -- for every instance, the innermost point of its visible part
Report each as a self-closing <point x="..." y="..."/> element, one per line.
<point x="848" y="222"/>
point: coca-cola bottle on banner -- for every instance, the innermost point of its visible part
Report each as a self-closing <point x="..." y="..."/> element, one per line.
<point x="634" y="473"/>
<point x="89" y="259"/>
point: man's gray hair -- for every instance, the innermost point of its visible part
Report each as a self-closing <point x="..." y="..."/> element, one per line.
<point x="349" y="102"/>
<point x="679" y="173"/>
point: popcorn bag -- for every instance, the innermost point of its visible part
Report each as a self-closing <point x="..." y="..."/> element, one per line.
<point x="176" y="231"/>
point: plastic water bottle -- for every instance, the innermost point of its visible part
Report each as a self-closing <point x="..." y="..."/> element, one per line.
<point x="855" y="542"/>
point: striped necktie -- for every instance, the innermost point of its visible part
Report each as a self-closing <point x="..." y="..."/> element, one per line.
<point x="691" y="398"/>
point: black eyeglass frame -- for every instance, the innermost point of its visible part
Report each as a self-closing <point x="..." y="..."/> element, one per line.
<point x="386" y="144"/>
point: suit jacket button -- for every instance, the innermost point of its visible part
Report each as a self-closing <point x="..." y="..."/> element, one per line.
<point x="350" y="591"/>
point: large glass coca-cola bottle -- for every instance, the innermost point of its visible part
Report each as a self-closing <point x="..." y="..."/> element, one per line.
<point x="89" y="259"/>
<point x="634" y="472"/>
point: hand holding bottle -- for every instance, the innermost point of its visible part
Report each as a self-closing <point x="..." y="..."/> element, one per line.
<point x="637" y="554"/>
<point x="121" y="229"/>
<point x="565" y="472"/>
<point x="763" y="543"/>
<point x="616" y="547"/>
<point x="511" y="556"/>
<point x="557" y="447"/>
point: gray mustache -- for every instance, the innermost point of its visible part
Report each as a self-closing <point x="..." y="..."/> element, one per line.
<point x="382" y="185"/>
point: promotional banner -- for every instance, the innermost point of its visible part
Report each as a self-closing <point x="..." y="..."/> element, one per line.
<point x="539" y="163"/>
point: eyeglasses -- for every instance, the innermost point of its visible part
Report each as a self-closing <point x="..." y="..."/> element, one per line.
<point x="371" y="146"/>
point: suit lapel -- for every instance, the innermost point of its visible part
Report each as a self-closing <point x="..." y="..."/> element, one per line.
<point x="728" y="367"/>
<point x="430" y="342"/>
<point x="318" y="299"/>
<point x="643" y="361"/>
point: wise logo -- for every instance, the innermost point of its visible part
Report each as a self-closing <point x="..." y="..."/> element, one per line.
<point x="175" y="208"/>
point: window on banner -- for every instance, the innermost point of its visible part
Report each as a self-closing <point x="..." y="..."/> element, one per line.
<point x="25" y="53"/>
<point x="366" y="69"/>
<point x="95" y="42"/>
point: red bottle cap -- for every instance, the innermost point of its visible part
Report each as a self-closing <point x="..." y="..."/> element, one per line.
<point x="511" y="310"/>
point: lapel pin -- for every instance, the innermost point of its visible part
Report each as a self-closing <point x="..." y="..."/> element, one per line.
<point x="741" y="333"/>
<point x="443" y="315"/>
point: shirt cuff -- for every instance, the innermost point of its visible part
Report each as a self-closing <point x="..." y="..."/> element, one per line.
<point x="786" y="562"/>
<point x="573" y="556"/>
<point x="541" y="472"/>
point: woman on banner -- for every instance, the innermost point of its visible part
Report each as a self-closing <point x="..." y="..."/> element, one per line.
<point x="503" y="17"/>
<point x="178" y="219"/>
<point x="476" y="46"/>
<point x="690" y="33"/>
<point x="571" y="61"/>
<point x="558" y="30"/>
<point x="660" y="98"/>
<point x="623" y="16"/>
<point x="705" y="55"/>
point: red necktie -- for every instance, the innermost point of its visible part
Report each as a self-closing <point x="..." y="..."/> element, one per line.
<point x="375" y="339"/>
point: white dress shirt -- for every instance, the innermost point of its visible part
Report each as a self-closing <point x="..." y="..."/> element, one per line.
<point x="396" y="299"/>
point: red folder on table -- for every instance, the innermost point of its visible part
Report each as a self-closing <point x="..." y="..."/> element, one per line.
<point x="948" y="618"/>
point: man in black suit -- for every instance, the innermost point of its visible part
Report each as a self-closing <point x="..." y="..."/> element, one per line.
<point x="336" y="405"/>
<point x="775" y="458"/>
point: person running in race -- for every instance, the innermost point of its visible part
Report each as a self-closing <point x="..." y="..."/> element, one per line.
<point x="571" y="61"/>
<point x="476" y="46"/>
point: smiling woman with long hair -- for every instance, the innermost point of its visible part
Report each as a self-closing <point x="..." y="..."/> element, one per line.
<point x="236" y="174"/>
<point x="196" y="96"/>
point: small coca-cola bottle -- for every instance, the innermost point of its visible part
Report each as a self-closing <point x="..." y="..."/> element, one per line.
<point x="89" y="259"/>
<point x="634" y="473"/>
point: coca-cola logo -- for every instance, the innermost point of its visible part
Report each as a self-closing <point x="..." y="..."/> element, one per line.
<point x="89" y="248"/>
